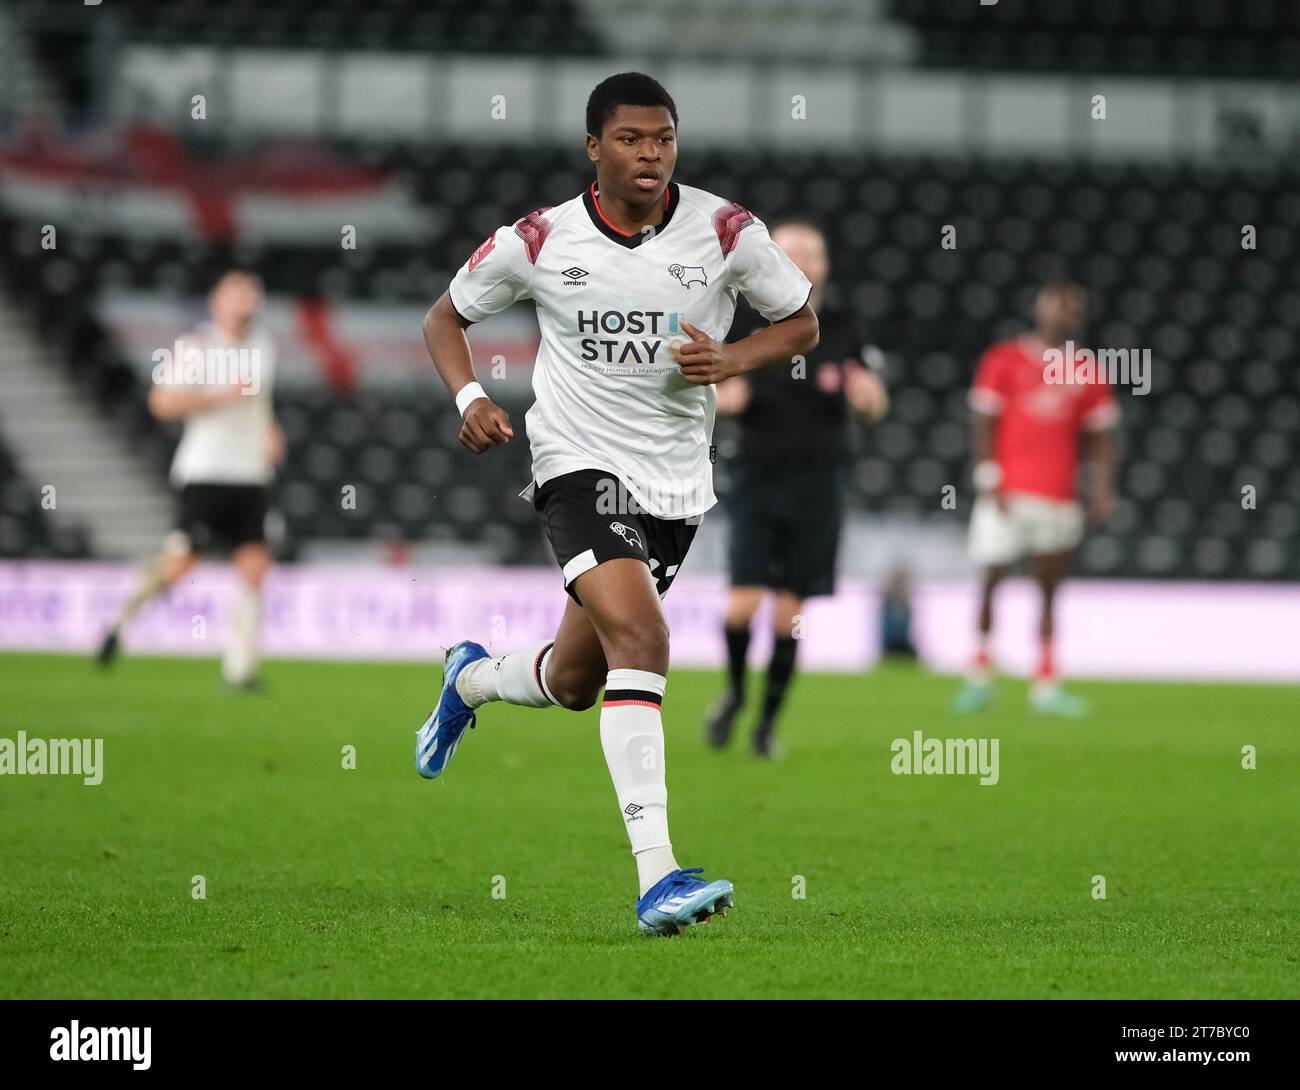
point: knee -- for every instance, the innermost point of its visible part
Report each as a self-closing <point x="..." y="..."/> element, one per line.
<point x="742" y="604"/>
<point x="253" y="566"/>
<point x="176" y="564"/>
<point x="575" y="693"/>
<point x="638" y="646"/>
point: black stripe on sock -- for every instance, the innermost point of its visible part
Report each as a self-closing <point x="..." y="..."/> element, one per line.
<point x="633" y="694"/>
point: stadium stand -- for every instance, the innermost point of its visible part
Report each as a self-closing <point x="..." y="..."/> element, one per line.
<point x="1221" y="322"/>
<point x="1179" y="37"/>
<point x="553" y="27"/>
<point x="25" y="528"/>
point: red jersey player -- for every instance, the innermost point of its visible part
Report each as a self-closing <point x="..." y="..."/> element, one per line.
<point x="1029" y="420"/>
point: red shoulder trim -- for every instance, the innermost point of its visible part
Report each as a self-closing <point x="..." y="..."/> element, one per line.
<point x="728" y="222"/>
<point x="533" y="229"/>
<point x="482" y="252"/>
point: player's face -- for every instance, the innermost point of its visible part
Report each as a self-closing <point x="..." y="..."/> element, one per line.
<point x="807" y="249"/>
<point x="636" y="153"/>
<point x="236" y="299"/>
<point x="1059" y="312"/>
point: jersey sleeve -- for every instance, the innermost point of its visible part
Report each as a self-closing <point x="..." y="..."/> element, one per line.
<point x="497" y="275"/>
<point x="986" y="393"/>
<point x="760" y="270"/>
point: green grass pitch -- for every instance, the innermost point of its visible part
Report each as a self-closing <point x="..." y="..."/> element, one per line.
<point x="327" y="882"/>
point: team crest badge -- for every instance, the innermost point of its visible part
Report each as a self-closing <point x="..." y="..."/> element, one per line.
<point x="688" y="275"/>
<point x="627" y="534"/>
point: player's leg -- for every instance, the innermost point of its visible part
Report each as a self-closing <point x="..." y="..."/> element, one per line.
<point x="1049" y="570"/>
<point x="780" y="669"/>
<point x="995" y="544"/>
<point x="749" y="560"/>
<point x="742" y="604"/>
<point x="567" y="671"/>
<point x="622" y="602"/>
<point x="616" y="640"/>
<point x="252" y="561"/>
<point x="1055" y="529"/>
<point x="621" y="597"/>
<point x="805" y="552"/>
<point x="239" y="520"/>
<point x="977" y="690"/>
<point x="990" y="578"/>
<point x="159" y="575"/>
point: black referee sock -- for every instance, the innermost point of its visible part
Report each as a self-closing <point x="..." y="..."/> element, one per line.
<point x="737" y="649"/>
<point x="779" y="672"/>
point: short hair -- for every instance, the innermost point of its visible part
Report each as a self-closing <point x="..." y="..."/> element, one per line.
<point x="625" y="89"/>
<point x="236" y="271"/>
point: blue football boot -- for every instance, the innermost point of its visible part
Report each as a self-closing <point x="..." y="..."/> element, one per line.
<point x="436" y="743"/>
<point x="679" y="899"/>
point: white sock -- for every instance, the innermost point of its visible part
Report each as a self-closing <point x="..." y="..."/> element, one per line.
<point x="240" y="661"/>
<point x="632" y="735"/>
<point x="519" y="678"/>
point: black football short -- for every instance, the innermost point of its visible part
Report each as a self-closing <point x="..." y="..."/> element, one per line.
<point x="223" y="516"/>
<point x="785" y="529"/>
<point x="584" y="529"/>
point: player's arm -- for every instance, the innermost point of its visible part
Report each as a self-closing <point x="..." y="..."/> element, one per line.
<point x="705" y="361"/>
<point x="177" y="403"/>
<point x="1101" y="453"/>
<point x="275" y="443"/>
<point x="484" y="424"/>
<point x="758" y="269"/>
<point x="864" y="389"/>
<point x="987" y="473"/>
<point x="733" y="396"/>
<point x="985" y="399"/>
<point x="497" y="275"/>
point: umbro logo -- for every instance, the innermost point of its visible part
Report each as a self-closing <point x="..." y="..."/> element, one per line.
<point x="575" y="274"/>
<point x="632" y="809"/>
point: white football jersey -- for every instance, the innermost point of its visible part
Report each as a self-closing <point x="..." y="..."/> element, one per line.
<point x="228" y="444"/>
<point x="608" y="394"/>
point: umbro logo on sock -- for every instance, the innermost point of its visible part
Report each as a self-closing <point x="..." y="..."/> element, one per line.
<point x="632" y="809"/>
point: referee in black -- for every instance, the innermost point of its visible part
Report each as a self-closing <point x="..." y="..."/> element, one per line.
<point x="787" y="483"/>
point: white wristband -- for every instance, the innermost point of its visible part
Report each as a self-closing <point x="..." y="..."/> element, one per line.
<point x="987" y="476"/>
<point x="471" y="391"/>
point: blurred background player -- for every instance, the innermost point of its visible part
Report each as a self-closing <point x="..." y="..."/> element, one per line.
<point x="222" y="467"/>
<point x="788" y="483"/>
<point x="896" y="616"/>
<point x="1026" y="434"/>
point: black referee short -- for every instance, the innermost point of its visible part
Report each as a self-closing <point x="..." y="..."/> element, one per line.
<point x="785" y="528"/>
<point x="223" y="516"/>
<point x="584" y="532"/>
